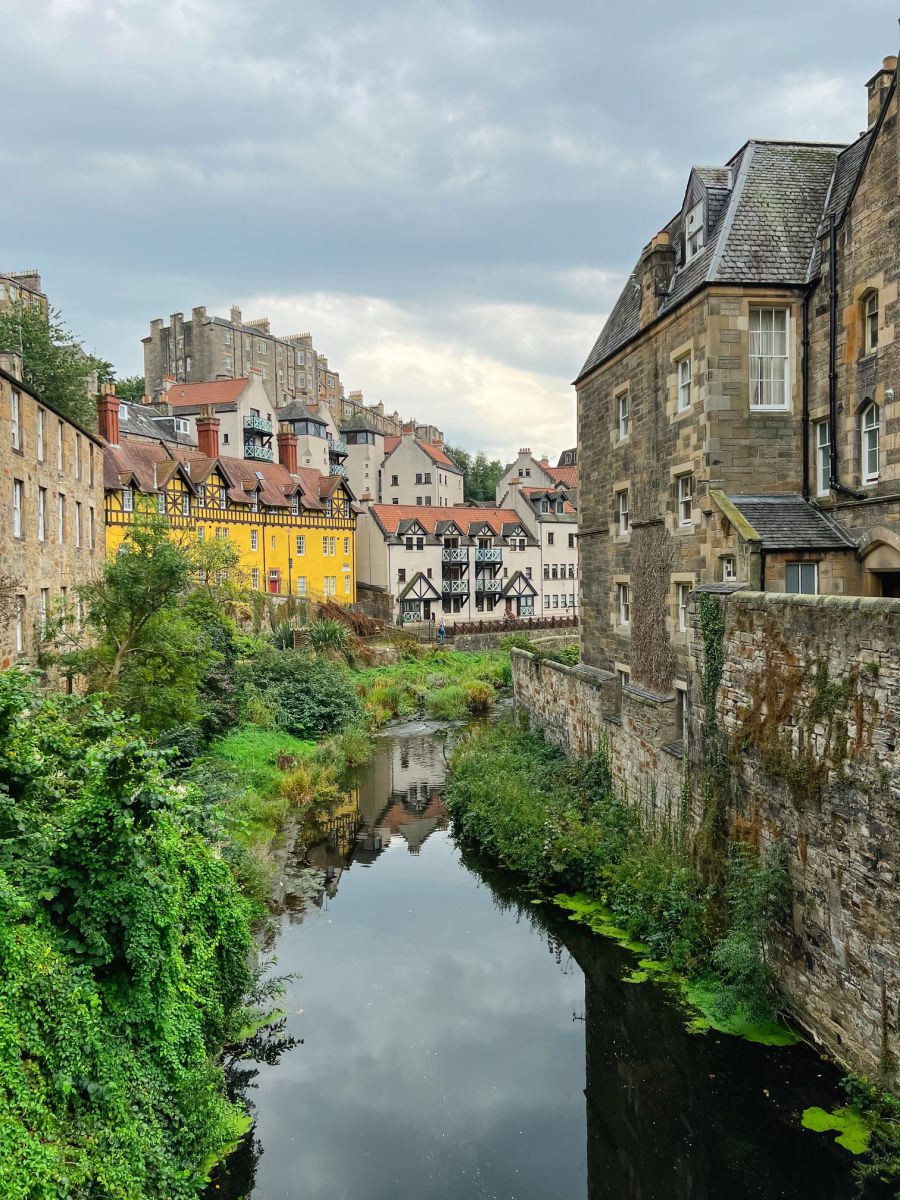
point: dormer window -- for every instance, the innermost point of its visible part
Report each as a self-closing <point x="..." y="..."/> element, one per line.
<point x="693" y="232"/>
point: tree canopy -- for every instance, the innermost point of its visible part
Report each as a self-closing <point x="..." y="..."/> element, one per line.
<point x="480" y="474"/>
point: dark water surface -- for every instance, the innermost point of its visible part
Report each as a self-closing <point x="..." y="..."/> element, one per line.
<point x="460" y="1042"/>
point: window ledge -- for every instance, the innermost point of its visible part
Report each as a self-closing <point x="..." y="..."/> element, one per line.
<point x="771" y="408"/>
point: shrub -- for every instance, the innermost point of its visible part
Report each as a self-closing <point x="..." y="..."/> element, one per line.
<point x="309" y="782"/>
<point x="447" y="703"/>
<point x="325" y="634"/>
<point x="310" y="697"/>
<point x="479" y="697"/>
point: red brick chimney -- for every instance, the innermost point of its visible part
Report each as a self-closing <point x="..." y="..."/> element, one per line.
<point x="208" y="432"/>
<point x="108" y="417"/>
<point x="287" y="449"/>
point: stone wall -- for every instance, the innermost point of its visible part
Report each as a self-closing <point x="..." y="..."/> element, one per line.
<point x="808" y="717"/>
<point x="809" y="710"/>
<point x="550" y="640"/>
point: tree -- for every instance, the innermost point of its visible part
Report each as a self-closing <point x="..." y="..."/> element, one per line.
<point x="53" y="363"/>
<point x="480" y="475"/>
<point x="131" y="389"/>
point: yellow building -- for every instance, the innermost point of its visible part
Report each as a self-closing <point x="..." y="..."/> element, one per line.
<point x="294" y="528"/>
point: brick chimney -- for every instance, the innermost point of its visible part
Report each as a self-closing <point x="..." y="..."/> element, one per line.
<point x="108" y="414"/>
<point x="287" y="448"/>
<point x="656" y="270"/>
<point x="877" y="87"/>
<point x="208" y="432"/>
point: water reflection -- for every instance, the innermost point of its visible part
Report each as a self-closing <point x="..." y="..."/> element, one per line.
<point x="460" y="1041"/>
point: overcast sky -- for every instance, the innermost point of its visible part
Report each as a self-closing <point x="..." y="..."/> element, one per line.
<point x="448" y="195"/>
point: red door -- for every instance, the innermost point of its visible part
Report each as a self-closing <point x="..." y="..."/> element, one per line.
<point x="274" y="582"/>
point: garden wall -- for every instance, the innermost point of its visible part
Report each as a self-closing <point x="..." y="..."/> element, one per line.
<point x="806" y="729"/>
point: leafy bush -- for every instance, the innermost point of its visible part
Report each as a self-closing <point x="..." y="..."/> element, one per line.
<point x="124" y="943"/>
<point x="447" y="703"/>
<point x="309" y="696"/>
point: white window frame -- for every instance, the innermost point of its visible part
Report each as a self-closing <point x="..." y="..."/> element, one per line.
<point x="767" y="392"/>
<point x="301" y="544"/>
<point x="42" y="514"/>
<point x="729" y="569"/>
<point x="870" y="321"/>
<point x="623" y="414"/>
<point x="623" y="603"/>
<point x="20" y="624"/>
<point x="254" y="540"/>
<point x="254" y="578"/>
<point x="683" y="368"/>
<point x="18" y="505"/>
<point x="15" y="415"/>
<point x="682" y="591"/>
<point x="823" y="458"/>
<point x="77" y="524"/>
<point x="40" y="434"/>
<point x="622" y="515"/>
<point x="685" y="485"/>
<point x="128" y="499"/>
<point x="60" y="518"/>
<point x="870" y="442"/>
<point x="802" y="569"/>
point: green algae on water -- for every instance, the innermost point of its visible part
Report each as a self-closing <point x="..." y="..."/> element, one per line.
<point x="700" y="994"/>
<point x="849" y="1123"/>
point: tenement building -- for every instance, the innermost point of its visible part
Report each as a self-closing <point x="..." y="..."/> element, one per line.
<point x="716" y="443"/>
<point x="53" y="537"/>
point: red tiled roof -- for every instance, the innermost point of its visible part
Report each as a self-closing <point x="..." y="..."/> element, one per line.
<point x="435" y="453"/>
<point x="568" y="476"/>
<point x="219" y="391"/>
<point x="389" y="516"/>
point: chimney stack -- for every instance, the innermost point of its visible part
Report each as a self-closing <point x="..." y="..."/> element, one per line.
<point x="11" y="363"/>
<point x="236" y="315"/>
<point x="657" y="268"/>
<point x="108" y="414"/>
<point x="208" y="432"/>
<point x="877" y="87"/>
<point x="287" y="448"/>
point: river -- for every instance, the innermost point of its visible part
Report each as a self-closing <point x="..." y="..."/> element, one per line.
<point x="455" y="1041"/>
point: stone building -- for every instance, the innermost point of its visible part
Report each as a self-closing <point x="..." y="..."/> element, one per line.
<point x="21" y="287"/>
<point x="53" y="538"/>
<point x="419" y="472"/>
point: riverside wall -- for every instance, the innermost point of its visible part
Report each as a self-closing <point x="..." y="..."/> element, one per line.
<point x="806" y="722"/>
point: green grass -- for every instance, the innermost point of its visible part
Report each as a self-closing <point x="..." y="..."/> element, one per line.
<point x="440" y="683"/>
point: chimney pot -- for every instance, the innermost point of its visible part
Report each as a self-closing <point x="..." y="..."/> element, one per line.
<point x="108" y="417"/>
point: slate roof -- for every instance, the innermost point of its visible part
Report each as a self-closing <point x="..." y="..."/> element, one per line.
<point x="21" y="386"/>
<point x="763" y="212"/>
<point x="139" y="422"/>
<point x="790" y="523"/>
<point x="297" y="411"/>
<point x="359" y="424"/>
<point x="846" y="172"/>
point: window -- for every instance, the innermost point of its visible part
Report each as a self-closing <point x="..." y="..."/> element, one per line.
<point x="571" y="541"/>
<point x="182" y="425"/>
<point x="546" y="602"/>
<point x="61" y="518"/>
<point x="42" y="514"/>
<point x="91" y="464"/>
<point x="624" y="595"/>
<point x="729" y="569"/>
<point x="14" y="413"/>
<point x="420" y="541"/>
<point x="693" y="232"/>
<point x="546" y="570"/>
<point x="419" y="501"/>
<point x="622" y="511"/>
<point x="395" y="481"/>
<point x="161" y="502"/>
<point x="226" y="337"/>
<point x="571" y="570"/>
<point x="683" y="368"/>
<point x="78" y="524"/>
<point x="396" y="500"/>
<point x="301" y="585"/>
<point x="264" y="373"/>
<point x="545" y="506"/>
<point x="427" y="501"/>
<point x="685" y="499"/>
<point x="418" y="477"/>
<point x="769" y="382"/>
<point x="802" y="578"/>
<point x="254" y="578"/>
<point x="870" y="432"/>
<point x="346" y="585"/>
<point x="560" y="506"/>
<point x="870" y="322"/>
<point x="20" y="624"/>
<point x="201" y="534"/>
<point x="331" y="545"/>
<point x="91" y="528"/>
<point x="185" y="504"/>
<point x="254" y="539"/>
<point x="42" y="611"/>
<point x="224" y="439"/>
<point x="823" y="458"/>
<point x="556" y="601"/>
<point x="127" y="499"/>
<point x="325" y="546"/>
<point x="223" y="498"/>
<point x="549" y="539"/>
<point x="554" y="571"/>
<point x="624" y="415"/>
<point x="681" y="711"/>
<point x="528" y="572"/>
<point x="427" y="477"/>
<point x="40" y="435"/>
<point x="262" y="348"/>
<point x="229" y="363"/>
<point x="59" y="445"/>
<point x="623" y="675"/>
<point x="295" y="505"/>
<point x="401" y="575"/>
<point x="18" y="493"/>
<point x="301" y="544"/>
<point x="683" y="590"/>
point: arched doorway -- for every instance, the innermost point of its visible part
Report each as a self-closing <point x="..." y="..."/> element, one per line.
<point x="879" y="549"/>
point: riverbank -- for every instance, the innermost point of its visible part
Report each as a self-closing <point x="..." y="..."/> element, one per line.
<point x="562" y="825"/>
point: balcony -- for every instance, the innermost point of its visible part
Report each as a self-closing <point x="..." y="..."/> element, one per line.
<point x="455" y="554"/>
<point x="337" y="469"/>
<point x="256" y="451"/>
<point x="491" y="586"/>
<point x="339" y="448"/>
<point x="257" y="424"/>
<point x="489" y="554"/>
<point x="455" y="587"/>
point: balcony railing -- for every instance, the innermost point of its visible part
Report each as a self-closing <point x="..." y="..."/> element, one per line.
<point x="455" y="587"/>
<point x="489" y="554"/>
<point x="336" y="447"/>
<point x="455" y="554"/>
<point x="491" y="586"/>
<point x="258" y="424"/>
<point x="260" y="453"/>
<point x="337" y="469"/>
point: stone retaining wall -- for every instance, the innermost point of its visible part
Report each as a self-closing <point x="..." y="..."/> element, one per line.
<point x="808" y="718"/>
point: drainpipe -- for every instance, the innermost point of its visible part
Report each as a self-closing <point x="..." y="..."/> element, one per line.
<point x="833" y="482"/>
<point x="805" y="393"/>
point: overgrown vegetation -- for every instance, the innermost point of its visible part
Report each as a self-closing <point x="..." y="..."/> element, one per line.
<point x="445" y="684"/>
<point x="125" y="946"/>
<point x="564" y="824"/>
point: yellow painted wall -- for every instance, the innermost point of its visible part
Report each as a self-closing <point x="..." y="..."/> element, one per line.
<point x="307" y="550"/>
